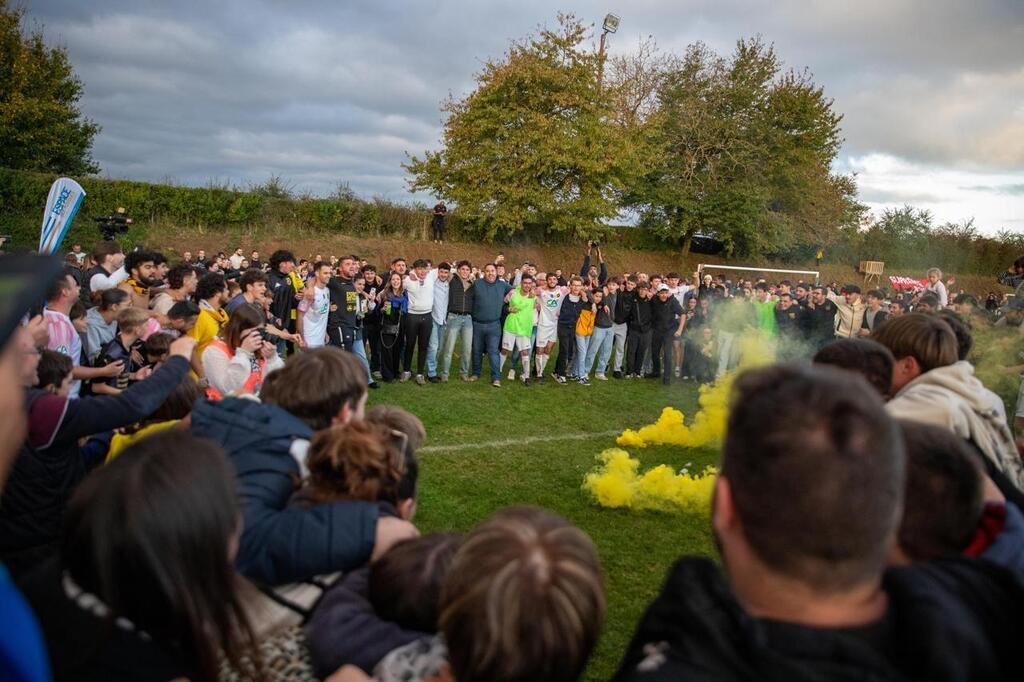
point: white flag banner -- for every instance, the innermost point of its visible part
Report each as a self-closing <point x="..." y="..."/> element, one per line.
<point x="66" y="196"/>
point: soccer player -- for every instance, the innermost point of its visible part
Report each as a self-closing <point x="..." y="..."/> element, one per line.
<point x="549" y="302"/>
<point x="518" y="330"/>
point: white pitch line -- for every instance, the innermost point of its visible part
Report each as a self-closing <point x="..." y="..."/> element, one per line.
<point x="517" y="441"/>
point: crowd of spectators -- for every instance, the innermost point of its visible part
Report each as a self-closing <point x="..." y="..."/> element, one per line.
<point x="194" y="488"/>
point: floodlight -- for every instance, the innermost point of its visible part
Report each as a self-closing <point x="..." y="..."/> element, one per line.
<point x="611" y="23"/>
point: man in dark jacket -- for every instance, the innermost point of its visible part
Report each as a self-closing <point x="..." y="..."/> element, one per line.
<point x="820" y="319"/>
<point x="279" y="284"/>
<point x="621" y="299"/>
<point x="807" y="596"/>
<point x="638" y="340"/>
<point x="593" y="276"/>
<point x="568" y="314"/>
<point x="267" y="445"/>
<point x="51" y="462"/>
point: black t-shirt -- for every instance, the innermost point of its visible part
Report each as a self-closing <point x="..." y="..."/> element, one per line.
<point x="343" y="303"/>
<point x="822" y="320"/>
<point x="790" y="321"/>
<point x="665" y="314"/>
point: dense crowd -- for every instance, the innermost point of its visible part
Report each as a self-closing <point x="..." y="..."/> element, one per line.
<point x="196" y="489"/>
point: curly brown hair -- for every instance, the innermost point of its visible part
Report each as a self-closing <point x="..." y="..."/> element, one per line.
<point x="356" y="461"/>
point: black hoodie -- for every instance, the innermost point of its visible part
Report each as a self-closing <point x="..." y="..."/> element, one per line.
<point x="954" y="619"/>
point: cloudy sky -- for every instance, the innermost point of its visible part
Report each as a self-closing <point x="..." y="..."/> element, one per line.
<point x="322" y="93"/>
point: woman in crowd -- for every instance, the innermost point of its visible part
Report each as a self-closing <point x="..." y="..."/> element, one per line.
<point x="393" y="304"/>
<point x="144" y="587"/>
<point x="240" y="358"/>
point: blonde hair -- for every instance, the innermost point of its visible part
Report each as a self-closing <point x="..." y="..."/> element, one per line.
<point x="131" y="319"/>
<point x="524" y="600"/>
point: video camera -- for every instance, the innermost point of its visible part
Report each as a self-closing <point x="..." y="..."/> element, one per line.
<point x="112" y="225"/>
<point x="595" y="244"/>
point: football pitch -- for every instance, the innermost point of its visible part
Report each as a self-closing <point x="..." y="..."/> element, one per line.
<point x="489" y="448"/>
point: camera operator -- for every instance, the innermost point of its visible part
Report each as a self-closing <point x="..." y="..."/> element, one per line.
<point x="107" y="271"/>
<point x="592" y="276"/>
<point x="237" y="361"/>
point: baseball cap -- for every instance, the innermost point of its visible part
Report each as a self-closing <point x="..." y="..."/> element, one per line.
<point x="663" y="287"/>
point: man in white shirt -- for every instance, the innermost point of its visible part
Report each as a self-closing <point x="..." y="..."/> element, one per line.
<point x="236" y="259"/>
<point x="418" y="322"/>
<point x="549" y="302"/>
<point x="439" y="316"/>
<point x="315" y="307"/>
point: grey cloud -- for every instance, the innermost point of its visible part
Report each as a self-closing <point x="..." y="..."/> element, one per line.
<point x="1014" y="189"/>
<point x="322" y="92"/>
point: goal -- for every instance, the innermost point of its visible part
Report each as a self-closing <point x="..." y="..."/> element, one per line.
<point x="711" y="266"/>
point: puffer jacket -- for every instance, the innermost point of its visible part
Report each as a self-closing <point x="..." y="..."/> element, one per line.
<point x="52" y="463"/>
<point x="953" y="398"/>
<point x="281" y="543"/>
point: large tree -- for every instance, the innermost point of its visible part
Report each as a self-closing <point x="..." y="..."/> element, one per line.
<point x="743" y="150"/>
<point x="41" y="126"/>
<point x="536" y="143"/>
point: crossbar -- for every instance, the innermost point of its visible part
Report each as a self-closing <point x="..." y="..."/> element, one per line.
<point x="702" y="266"/>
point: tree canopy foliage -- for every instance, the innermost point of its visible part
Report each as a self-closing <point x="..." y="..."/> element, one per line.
<point x="41" y="126"/>
<point x="535" y="144"/>
<point x="743" y="150"/>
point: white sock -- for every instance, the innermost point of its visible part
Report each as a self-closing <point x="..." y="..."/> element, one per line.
<point x="526" y="367"/>
<point x="542" y="363"/>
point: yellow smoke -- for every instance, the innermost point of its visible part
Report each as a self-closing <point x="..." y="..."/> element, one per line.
<point x="708" y="425"/>
<point x="617" y="483"/>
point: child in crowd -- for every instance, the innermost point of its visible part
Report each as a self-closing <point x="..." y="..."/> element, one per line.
<point x="379" y="608"/>
<point x="126" y="346"/>
<point x="524" y="600"/>
<point x="54" y="372"/>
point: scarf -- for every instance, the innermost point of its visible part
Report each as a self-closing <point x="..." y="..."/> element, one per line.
<point x="138" y="288"/>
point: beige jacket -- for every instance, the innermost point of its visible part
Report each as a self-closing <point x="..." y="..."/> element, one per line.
<point x="953" y="398"/>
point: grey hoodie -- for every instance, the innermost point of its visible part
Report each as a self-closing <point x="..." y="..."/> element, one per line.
<point x="953" y="398"/>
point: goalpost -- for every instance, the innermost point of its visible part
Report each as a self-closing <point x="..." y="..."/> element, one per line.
<point x="705" y="266"/>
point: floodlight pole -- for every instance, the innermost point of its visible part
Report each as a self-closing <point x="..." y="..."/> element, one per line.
<point x="611" y="25"/>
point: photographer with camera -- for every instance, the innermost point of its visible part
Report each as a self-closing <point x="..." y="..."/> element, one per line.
<point x="594" y="277"/>
<point x="239" y="358"/>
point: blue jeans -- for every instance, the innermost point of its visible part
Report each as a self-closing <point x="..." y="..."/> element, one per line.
<point x="486" y="338"/>
<point x="458" y="327"/>
<point x="600" y="347"/>
<point x="582" y="343"/>
<point x="436" y="336"/>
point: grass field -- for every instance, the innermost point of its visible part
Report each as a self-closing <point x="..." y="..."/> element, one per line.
<point x="468" y="470"/>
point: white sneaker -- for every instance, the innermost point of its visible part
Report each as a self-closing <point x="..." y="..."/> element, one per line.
<point x="405" y="377"/>
<point x="511" y="375"/>
<point x="600" y="377"/>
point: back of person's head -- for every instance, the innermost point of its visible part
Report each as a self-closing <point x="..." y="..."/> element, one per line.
<point x="365" y="461"/>
<point x="103" y="250"/>
<point x="524" y="600"/>
<point x="280" y="256"/>
<point x="868" y="358"/>
<point x="817" y="494"/>
<point x="961" y="330"/>
<point x="405" y="584"/>
<point x="53" y="369"/>
<point x="182" y="310"/>
<point x="209" y="285"/>
<point x="926" y="338"/>
<point x="174" y="492"/>
<point x="177" y="275"/>
<point x="396" y="418"/>
<point x="930" y="300"/>
<point x="317" y="386"/>
<point x="944" y="495"/>
<point x="131" y="320"/>
<point x="111" y="297"/>
<point x="158" y="345"/>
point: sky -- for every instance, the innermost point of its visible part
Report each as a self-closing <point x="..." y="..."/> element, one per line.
<point x="324" y="93"/>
